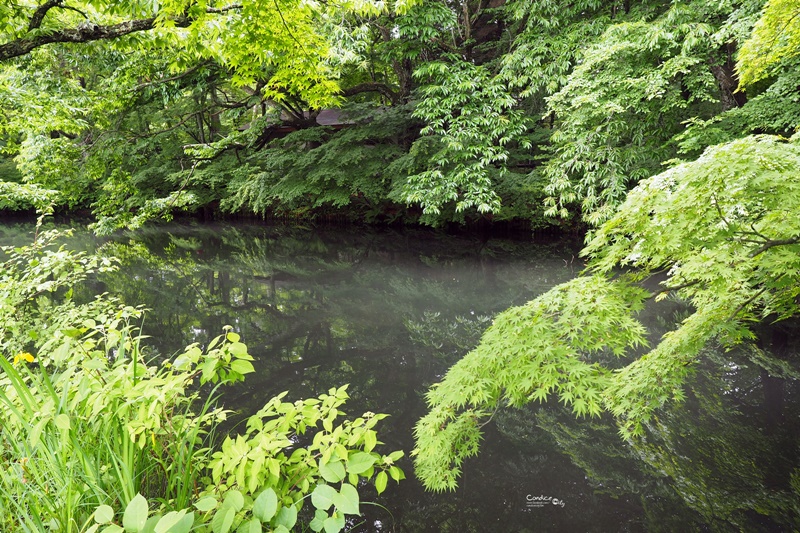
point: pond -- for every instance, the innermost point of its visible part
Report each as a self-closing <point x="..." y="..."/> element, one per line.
<point x="388" y="311"/>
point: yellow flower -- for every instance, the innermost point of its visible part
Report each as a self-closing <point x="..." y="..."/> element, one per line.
<point x="24" y="463"/>
<point x="23" y="356"/>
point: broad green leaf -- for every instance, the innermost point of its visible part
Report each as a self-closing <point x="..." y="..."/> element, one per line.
<point x="251" y="526"/>
<point x="370" y="440"/>
<point x="135" y="515"/>
<point x="209" y="368"/>
<point x="347" y="499"/>
<point x="104" y="514"/>
<point x="223" y="519"/>
<point x="150" y="525"/>
<point x="242" y="367"/>
<point x="323" y="496"/>
<point x="287" y="517"/>
<point x="360" y="462"/>
<point x="239" y="350"/>
<point x="334" y="524"/>
<point x="396" y="455"/>
<point x="396" y="473"/>
<point x="265" y="505"/>
<point x="319" y="520"/>
<point x="332" y="472"/>
<point x="175" y="522"/>
<point x="206" y="504"/>
<point x="62" y="422"/>
<point x="234" y="499"/>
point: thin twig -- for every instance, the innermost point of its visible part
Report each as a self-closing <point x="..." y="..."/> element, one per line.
<point x="185" y="183"/>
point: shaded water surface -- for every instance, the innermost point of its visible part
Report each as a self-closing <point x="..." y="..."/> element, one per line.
<point x="388" y="312"/>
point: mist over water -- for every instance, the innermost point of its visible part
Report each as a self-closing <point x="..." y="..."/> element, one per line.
<point x="389" y="311"/>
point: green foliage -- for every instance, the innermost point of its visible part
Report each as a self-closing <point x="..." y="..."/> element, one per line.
<point x="529" y="353"/>
<point x="98" y="438"/>
<point x="624" y="102"/>
<point x="724" y="228"/>
<point x="775" y="38"/>
<point x="316" y="168"/>
<point x="472" y="115"/>
<point x="15" y="196"/>
<point x="550" y="42"/>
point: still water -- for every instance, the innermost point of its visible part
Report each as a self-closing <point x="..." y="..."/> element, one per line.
<point x="389" y="311"/>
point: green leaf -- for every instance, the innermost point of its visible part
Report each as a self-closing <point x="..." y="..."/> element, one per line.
<point x="347" y="500"/>
<point x="232" y="337"/>
<point x="239" y="350"/>
<point x="396" y="473"/>
<point x="251" y="526"/>
<point x="234" y="499"/>
<point x="287" y="517"/>
<point x="209" y="369"/>
<point x="223" y="519"/>
<point x="62" y="422"/>
<point x="72" y="332"/>
<point x="332" y="472"/>
<point x="370" y="440"/>
<point x="322" y="497"/>
<point x="150" y="525"/>
<point x="360" y="462"/>
<point x="319" y="520"/>
<point x="242" y="367"/>
<point x="334" y="524"/>
<point x="380" y="481"/>
<point x="104" y="514"/>
<point x="175" y="522"/>
<point x="266" y="505"/>
<point x="206" y="504"/>
<point x="135" y="515"/>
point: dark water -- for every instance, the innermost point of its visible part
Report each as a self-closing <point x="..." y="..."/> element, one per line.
<point x="388" y="312"/>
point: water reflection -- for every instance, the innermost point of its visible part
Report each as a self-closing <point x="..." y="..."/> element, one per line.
<point x="388" y="312"/>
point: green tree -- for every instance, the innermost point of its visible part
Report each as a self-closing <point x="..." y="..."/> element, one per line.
<point x="775" y="39"/>
<point x="723" y="228"/>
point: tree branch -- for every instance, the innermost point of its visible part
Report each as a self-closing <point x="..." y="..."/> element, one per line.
<point x="381" y="88"/>
<point x="172" y="78"/>
<point x="770" y="244"/>
<point x="86" y="31"/>
<point x="220" y="10"/>
<point x="83" y="33"/>
<point x="676" y="287"/>
<point x="41" y="11"/>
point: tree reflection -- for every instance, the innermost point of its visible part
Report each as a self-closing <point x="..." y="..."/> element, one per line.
<point x="716" y="461"/>
<point x="389" y="312"/>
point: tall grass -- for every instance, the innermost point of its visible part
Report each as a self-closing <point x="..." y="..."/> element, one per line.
<point x="97" y="431"/>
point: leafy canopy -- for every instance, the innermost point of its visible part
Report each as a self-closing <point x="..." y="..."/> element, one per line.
<point x="775" y="38"/>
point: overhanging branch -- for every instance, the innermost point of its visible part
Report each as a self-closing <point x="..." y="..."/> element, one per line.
<point x="83" y="33"/>
<point x="381" y="88"/>
<point x="86" y="31"/>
